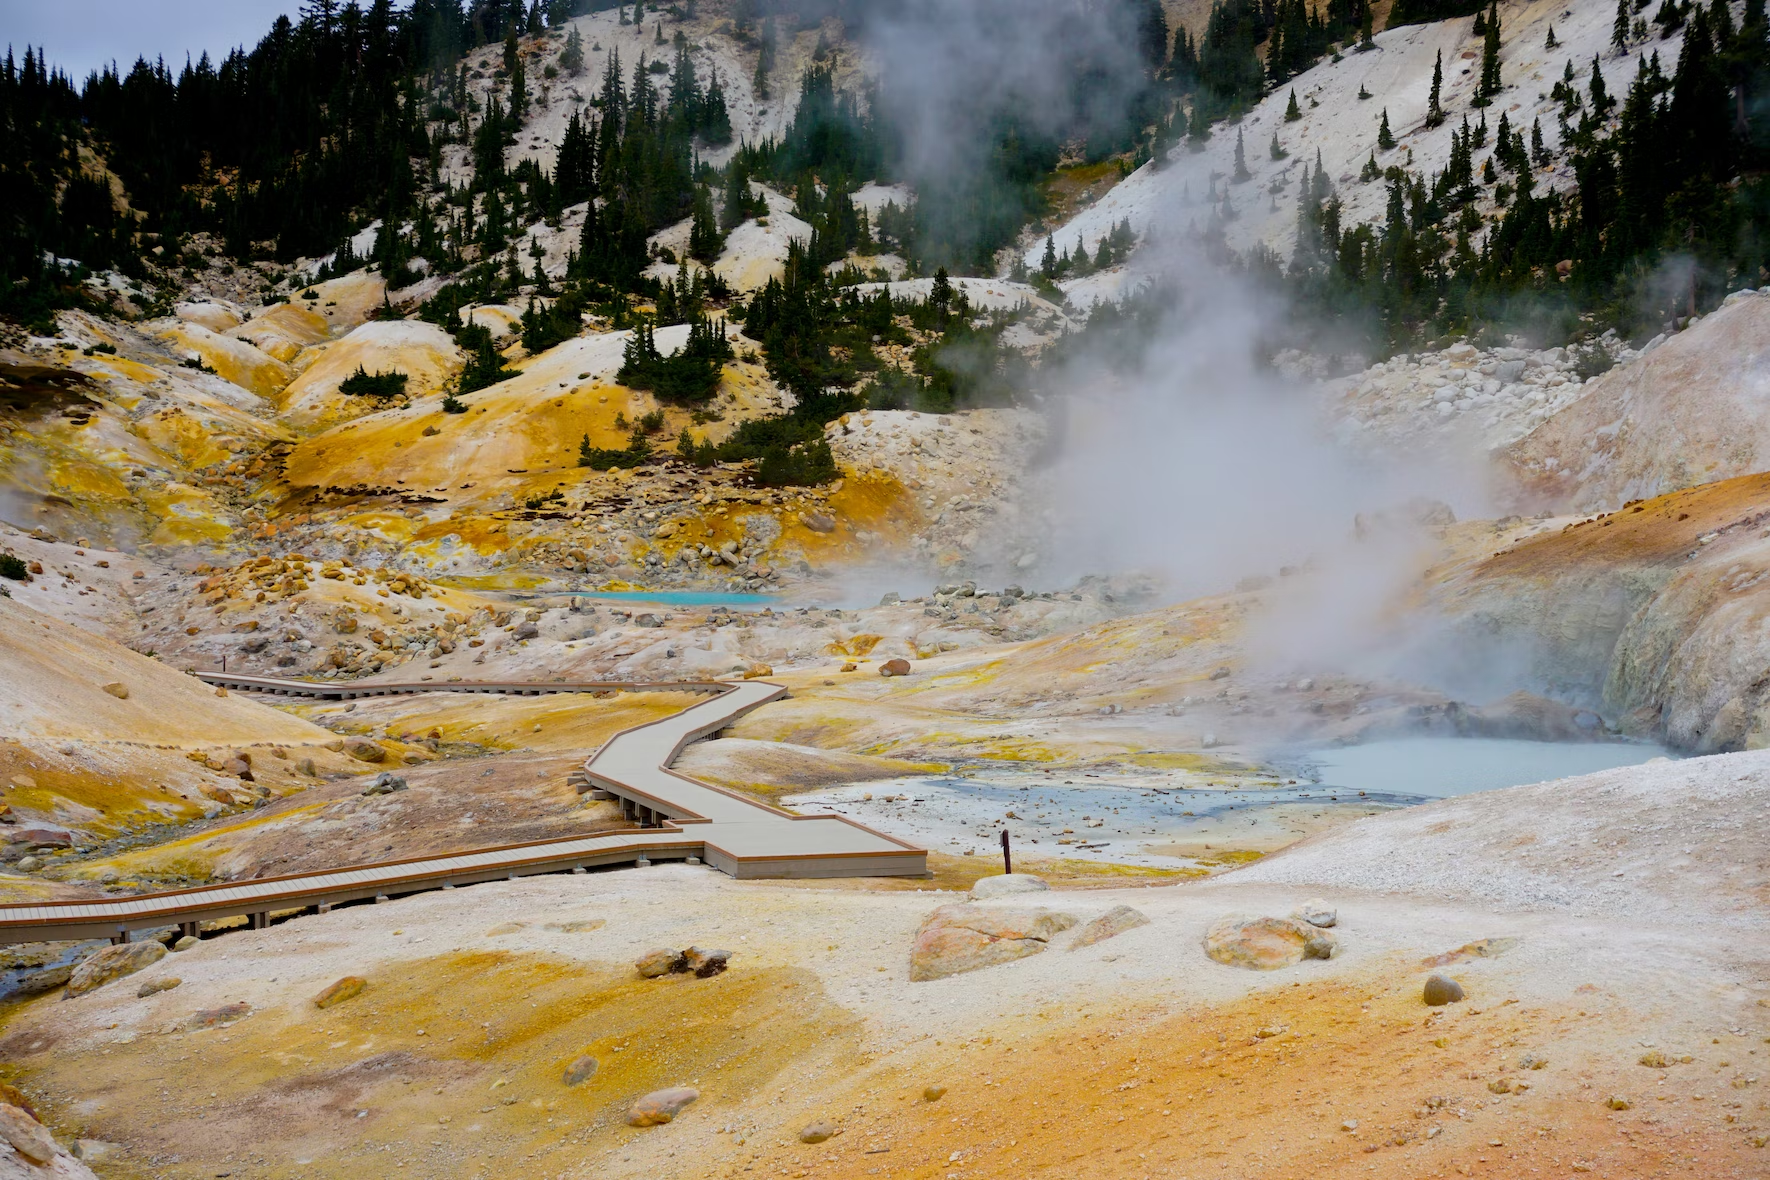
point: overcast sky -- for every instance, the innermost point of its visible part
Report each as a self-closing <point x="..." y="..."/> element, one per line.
<point x="83" y="35"/>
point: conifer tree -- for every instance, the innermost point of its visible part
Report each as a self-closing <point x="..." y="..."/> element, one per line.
<point x="1201" y="127"/>
<point x="571" y="59"/>
<point x="1601" y="100"/>
<point x="1048" y="264"/>
<point x="1278" y="153"/>
<point x="1551" y="43"/>
<point x="1490" y="58"/>
<point x="1241" y="160"/>
<point x="1292" y="112"/>
<point x="1385" y="137"/>
<point x="1619" y="31"/>
<point x="1364" y="27"/>
<point x="1370" y="171"/>
<point x="1434" y="110"/>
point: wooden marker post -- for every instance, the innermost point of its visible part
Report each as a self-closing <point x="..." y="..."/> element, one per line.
<point x="1007" y="856"/>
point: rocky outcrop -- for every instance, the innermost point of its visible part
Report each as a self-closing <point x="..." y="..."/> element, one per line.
<point x="1694" y="410"/>
<point x="959" y="938"/>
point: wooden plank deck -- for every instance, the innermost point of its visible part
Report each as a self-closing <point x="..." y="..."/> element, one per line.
<point x="732" y="832"/>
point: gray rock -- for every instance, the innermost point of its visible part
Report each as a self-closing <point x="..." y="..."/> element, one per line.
<point x="527" y="631"/>
<point x="1113" y="922"/>
<point x="386" y="783"/>
<point x="1316" y="912"/>
<point x="45" y="980"/>
<point x="1441" y="990"/>
<point x="816" y="1132"/>
<point x="1006" y="883"/>
<point x="580" y="1070"/>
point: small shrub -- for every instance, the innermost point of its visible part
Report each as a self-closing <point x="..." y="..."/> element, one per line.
<point x="14" y="568"/>
<point x="453" y="405"/>
<point x="377" y="385"/>
<point x="107" y="349"/>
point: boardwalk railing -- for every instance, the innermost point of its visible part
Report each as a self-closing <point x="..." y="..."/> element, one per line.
<point x="680" y="817"/>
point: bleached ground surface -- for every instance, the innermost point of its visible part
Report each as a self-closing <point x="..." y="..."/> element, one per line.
<point x="1398" y="75"/>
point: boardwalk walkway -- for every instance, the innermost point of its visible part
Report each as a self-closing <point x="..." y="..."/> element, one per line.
<point x="681" y="818"/>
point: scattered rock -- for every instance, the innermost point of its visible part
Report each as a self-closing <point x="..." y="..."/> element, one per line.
<point x="1316" y="912"/>
<point x="1441" y="990"/>
<point x="155" y="986"/>
<point x="386" y="783"/>
<point x="364" y="750"/>
<point x="46" y="980"/>
<point x="816" y="1132"/>
<point x="959" y="938"/>
<point x="112" y="962"/>
<point x="1006" y="883"/>
<point x="1266" y="944"/>
<point x="1485" y="948"/>
<point x="186" y="943"/>
<point x="580" y="1070"/>
<point x="897" y="667"/>
<point x="661" y="962"/>
<point x="526" y="631"/>
<point x="28" y="864"/>
<point x="1532" y="1061"/>
<point x="28" y="1137"/>
<point x="118" y="689"/>
<point x="216" y="1017"/>
<point x="660" y="1106"/>
<point x="1115" y="921"/>
<point x="348" y="988"/>
<point x="93" y="1151"/>
<point x="758" y="671"/>
<point x="705" y="964"/>
<point x="1618" y="1102"/>
<point x="933" y="1093"/>
<point x="818" y="522"/>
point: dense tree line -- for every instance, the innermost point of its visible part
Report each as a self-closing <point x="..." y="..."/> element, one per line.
<point x="1669" y="210"/>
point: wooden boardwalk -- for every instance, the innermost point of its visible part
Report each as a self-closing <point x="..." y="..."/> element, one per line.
<point x="680" y="818"/>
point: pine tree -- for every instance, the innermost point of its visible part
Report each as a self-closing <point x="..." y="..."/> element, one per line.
<point x="1201" y="127"/>
<point x="1538" y="152"/>
<point x="571" y="59"/>
<point x="1619" y="31"/>
<point x="1490" y="59"/>
<point x="1241" y="160"/>
<point x="1278" y="153"/>
<point x="1292" y="111"/>
<point x="704" y="239"/>
<point x="1434" y="110"/>
<point x="1385" y="137"/>
<point x="1601" y="100"/>
<point x="1364" y="27"/>
<point x="1370" y="171"/>
<point x="1551" y="43"/>
<point x="1048" y="264"/>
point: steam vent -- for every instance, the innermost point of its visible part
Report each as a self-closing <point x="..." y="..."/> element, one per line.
<point x="920" y="589"/>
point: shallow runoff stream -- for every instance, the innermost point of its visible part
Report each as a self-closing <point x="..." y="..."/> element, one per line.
<point x="1178" y="819"/>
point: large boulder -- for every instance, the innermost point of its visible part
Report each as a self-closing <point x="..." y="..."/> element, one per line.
<point x="112" y="962"/>
<point x="1266" y="944"/>
<point x="364" y="750"/>
<point x="959" y="938"/>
